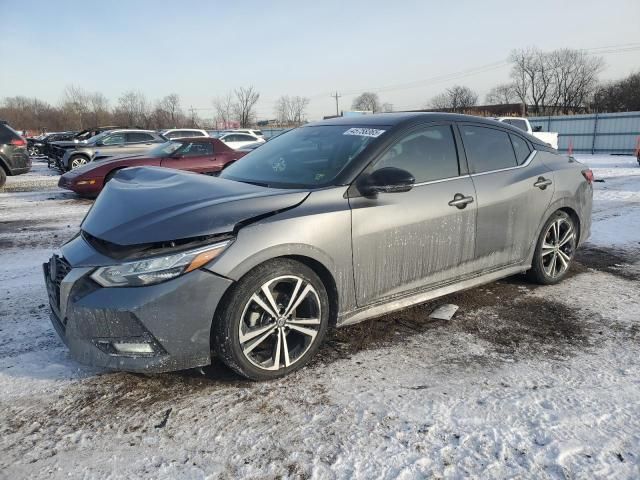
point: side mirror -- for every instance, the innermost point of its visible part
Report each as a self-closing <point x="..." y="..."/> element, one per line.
<point x="386" y="180"/>
<point x="537" y="128"/>
<point x="99" y="143"/>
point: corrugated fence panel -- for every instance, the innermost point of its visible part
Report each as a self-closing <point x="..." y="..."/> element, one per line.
<point x="601" y="133"/>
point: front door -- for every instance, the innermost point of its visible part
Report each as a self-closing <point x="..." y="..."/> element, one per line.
<point x="514" y="190"/>
<point x="412" y="240"/>
<point x="197" y="156"/>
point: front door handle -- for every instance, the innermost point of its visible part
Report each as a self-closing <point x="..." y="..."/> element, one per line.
<point x="460" y="201"/>
<point x="542" y="183"/>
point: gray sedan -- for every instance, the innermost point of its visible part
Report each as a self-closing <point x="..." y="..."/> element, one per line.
<point x="325" y="226"/>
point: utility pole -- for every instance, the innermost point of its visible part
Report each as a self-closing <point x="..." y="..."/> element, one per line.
<point x="336" y="96"/>
<point x="193" y="116"/>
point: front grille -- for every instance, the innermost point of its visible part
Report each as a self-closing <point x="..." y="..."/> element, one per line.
<point x="58" y="269"/>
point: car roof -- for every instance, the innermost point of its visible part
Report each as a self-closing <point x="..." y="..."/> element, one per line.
<point x="391" y="119"/>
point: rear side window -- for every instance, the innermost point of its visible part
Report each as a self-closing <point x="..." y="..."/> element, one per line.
<point x="428" y="154"/>
<point x="487" y="148"/>
<point x="138" y="137"/>
<point x="521" y="148"/>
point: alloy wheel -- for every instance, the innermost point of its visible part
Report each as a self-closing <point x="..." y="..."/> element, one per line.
<point x="558" y="247"/>
<point x="280" y="322"/>
<point x="78" y="162"/>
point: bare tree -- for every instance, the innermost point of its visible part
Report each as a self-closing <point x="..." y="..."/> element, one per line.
<point x="619" y="96"/>
<point x="98" y="108"/>
<point x="133" y="109"/>
<point x="246" y="99"/>
<point x="532" y="73"/>
<point x="224" y="110"/>
<point x="553" y="82"/>
<point x="455" y="99"/>
<point x="575" y="77"/>
<point x="291" y="110"/>
<point x="75" y="105"/>
<point x="501" y="94"/>
<point x="367" y="101"/>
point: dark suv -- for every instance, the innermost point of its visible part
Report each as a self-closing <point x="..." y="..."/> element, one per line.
<point x="14" y="158"/>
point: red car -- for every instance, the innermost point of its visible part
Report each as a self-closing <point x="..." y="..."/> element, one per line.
<point x="200" y="155"/>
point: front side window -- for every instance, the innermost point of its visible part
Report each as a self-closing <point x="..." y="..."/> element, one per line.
<point x="306" y="157"/>
<point x="195" y="149"/>
<point x="487" y="148"/>
<point x="428" y="154"/>
<point x="114" y="139"/>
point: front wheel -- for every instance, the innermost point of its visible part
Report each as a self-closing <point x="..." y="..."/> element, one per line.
<point x="77" y="161"/>
<point x="273" y="321"/>
<point x="555" y="250"/>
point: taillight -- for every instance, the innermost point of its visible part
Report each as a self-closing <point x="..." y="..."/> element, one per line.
<point x="18" y="142"/>
<point x="588" y="176"/>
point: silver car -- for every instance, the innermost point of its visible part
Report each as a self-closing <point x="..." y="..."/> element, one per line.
<point x="324" y="226"/>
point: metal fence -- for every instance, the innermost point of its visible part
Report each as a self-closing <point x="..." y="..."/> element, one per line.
<point x="617" y="133"/>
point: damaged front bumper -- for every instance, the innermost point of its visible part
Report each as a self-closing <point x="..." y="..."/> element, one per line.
<point x="156" y="328"/>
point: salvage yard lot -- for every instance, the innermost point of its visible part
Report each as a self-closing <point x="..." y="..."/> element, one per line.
<point x="525" y="381"/>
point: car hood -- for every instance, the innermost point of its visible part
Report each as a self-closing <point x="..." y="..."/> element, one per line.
<point x="152" y="204"/>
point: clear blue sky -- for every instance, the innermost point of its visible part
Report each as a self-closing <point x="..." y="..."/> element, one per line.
<point x="201" y="49"/>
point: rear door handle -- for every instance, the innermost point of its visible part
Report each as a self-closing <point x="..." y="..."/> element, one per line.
<point x="542" y="183"/>
<point x="460" y="201"/>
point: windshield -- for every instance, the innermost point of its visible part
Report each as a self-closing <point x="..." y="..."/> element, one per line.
<point x="303" y="158"/>
<point x="165" y="149"/>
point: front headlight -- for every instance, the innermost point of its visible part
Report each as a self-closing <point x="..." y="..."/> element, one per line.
<point x="157" y="269"/>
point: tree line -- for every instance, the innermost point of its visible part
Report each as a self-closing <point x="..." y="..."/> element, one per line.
<point x="559" y="82"/>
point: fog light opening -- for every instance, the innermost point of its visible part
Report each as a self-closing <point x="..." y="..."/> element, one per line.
<point x="133" y="348"/>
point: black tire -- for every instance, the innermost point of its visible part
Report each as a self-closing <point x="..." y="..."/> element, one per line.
<point x="229" y="316"/>
<point x="77" y="158"/>
<point x="3" y="177"/>
<point x="542" y="270"/>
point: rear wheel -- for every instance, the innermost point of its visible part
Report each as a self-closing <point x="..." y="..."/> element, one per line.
<point x="77" y="161"/>
<point x="555" y="250"/>
<point x="273" y="321"/>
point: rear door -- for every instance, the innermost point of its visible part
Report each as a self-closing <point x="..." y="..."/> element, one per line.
<point x="513" y="191"/>
<point x="416" y="239"/>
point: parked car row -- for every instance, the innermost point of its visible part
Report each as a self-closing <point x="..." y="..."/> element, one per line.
<point x="73" y="153"/>
<point x="197" y="154"/>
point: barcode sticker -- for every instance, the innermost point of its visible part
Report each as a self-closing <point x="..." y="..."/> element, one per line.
<point x="364" y="132"/>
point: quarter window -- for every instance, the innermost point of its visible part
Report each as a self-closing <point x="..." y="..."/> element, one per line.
<point x="487" y="148"/>
<point x="521" y="148"/>
<point x="428" y="154"/>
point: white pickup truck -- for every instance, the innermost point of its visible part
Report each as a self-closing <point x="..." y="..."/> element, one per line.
<point x="550" y="138"/>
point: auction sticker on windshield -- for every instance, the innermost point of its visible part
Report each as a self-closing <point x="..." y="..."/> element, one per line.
<point x="364" y="132"/>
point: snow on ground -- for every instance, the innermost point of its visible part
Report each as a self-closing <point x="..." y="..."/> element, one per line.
<point x="525" y="381"/>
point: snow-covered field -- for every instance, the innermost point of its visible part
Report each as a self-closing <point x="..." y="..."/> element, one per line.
<point x="525" y="381"/>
